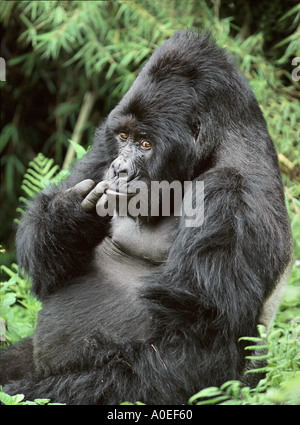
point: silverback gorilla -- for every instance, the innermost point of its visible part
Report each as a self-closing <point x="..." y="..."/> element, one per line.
<point x="147" y="308"/>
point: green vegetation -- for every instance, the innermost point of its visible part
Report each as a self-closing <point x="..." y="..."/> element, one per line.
<point x="68" y="64"/>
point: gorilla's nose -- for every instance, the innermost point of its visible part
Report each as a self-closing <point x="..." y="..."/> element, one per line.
<point x="121" y="165"/>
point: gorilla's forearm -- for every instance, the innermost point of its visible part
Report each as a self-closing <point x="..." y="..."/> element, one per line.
<point x="56" y="237"/>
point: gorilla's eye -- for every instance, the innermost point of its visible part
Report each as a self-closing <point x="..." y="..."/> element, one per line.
<point x="123" y="136"/>
<point x="145" y="144"/>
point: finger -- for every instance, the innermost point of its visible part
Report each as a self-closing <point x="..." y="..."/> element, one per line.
<point x="83" y="187"/>
<point x="90" y="201"/>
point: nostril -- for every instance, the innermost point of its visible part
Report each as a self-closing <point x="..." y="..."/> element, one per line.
<point x="120" y="166"/>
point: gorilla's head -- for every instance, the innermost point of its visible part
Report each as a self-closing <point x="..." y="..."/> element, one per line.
<point x="172" y="123"/>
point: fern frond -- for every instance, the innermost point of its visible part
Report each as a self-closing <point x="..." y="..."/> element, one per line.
<point x="256" y="347"/>
<point x="250" y="339"/>
<point x="258" y="370"/>
<point x="41" y="171"/>
<point x="258" y="358"/>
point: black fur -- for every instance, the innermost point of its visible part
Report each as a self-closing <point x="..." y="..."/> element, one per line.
<point x="106" y="333"/>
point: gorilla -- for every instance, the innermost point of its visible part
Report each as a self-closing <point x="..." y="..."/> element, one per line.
<point x="148" y="306"/>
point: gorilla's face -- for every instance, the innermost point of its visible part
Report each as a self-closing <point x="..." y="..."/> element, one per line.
<point x="135" y="147"/>
<point x="153" y="131"/>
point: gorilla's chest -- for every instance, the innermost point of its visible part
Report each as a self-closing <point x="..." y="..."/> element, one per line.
<point x="134" y="250"/>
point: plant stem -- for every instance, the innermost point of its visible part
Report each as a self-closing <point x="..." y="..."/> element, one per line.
<point x="87" y="105"/>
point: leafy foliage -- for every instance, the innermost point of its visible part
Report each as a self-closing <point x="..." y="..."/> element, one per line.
<point x="18" y="309"/>
<point x="18" y="400"/>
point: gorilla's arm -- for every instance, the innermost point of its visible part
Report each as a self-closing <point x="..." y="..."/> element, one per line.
<point x="218" y="275"/>
<point x="56" y="237"/>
